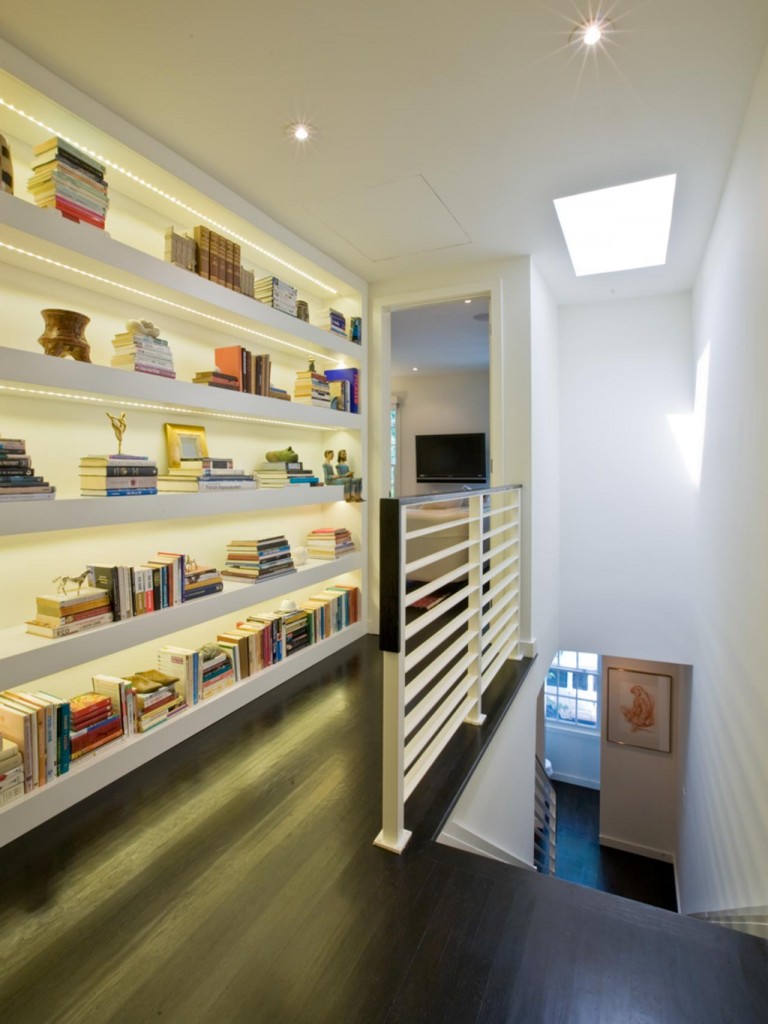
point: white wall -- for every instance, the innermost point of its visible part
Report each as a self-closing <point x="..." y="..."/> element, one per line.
<point x="445" y="403"/>
<point x="575" y="755"/>
<point x="628" y="501"/>
<point x="723" y="855"/>
<point x="639" y="788"/>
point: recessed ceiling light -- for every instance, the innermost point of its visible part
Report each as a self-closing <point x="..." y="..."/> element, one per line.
<point x="620" y="228"/>
<point x="467" y="301"/>
<point x="591" y="32"/>
<point x="300" y="131"/>
<point x="415" y="369"/>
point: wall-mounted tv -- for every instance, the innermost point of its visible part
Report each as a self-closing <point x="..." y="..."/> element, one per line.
<point x="451" y="458"/>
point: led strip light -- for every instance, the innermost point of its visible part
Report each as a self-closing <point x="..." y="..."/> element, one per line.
<point x="166" y="195"/>
<point x="156" y="407"/>
<point x="166" y="302"/>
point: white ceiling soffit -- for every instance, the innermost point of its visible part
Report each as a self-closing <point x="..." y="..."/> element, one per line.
<point x="398" y="218"/>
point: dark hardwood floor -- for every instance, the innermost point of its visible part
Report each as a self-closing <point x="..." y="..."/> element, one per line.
<point x="581" y="858"/>
<point x="234" y="880"/>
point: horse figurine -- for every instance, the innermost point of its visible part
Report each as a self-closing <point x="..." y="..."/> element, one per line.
<point x="76" y="581"/>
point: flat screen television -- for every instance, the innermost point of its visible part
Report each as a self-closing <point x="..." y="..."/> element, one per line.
<point x="451" y="458"/>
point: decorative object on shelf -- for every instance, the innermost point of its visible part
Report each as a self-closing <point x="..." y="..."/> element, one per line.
<point x="287" y="605"/>
<point x="185" y="442"/>
<point x="356" y="329"/>
<point x="302" y="310"/>
<point x="76" y="581"/>
<point x="342" y="474"/>
<point x="141" y="348"/>
<point x="119" y="425"/>
<point x="18" y="481"/>
<point x="6" y="166"/>
<point x="67" y="180"/>
<point x="283" y="455"/>
<point x="64" y="334"/>
<point x="300" y="555"/>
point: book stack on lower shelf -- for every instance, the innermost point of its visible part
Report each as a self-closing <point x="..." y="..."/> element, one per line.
<point x="94" y="721"/>
<point x="277" y="294"/>
<point x="64" y="614"/>
<point x="258" y="559"/>
<point x="156" y="697"/>
<point x="328" y="543"/>
<point x="144" y="353"/>
<point x="18" y="481"/>
<point x="117" y="476"/>
<point x="207" y="474"/>
<point x="216" y="379"/>
<point x="11" y="772"/>
<point x="312" y="388"/>
<point x="68" y="180"/>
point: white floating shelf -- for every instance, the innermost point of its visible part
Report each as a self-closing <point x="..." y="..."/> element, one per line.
<point x="111" y="762"/>
<point x="111" y="267"/>
<point x="71" y="380"/>
<point x="20" y="517"/>
<point x="26" y="657"/>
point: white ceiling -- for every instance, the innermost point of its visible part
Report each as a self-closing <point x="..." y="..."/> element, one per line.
<point x="447" y="337"/>
<point x="444" y="130"/>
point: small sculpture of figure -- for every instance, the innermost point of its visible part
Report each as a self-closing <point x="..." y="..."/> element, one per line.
<point x="641" y="714"/>
<point x="76" y="581"/>
<point x="119" y="426"/>
<point x="329" y="473"/>
<point x="342" y="469"/>
<point x="342" y="474"/>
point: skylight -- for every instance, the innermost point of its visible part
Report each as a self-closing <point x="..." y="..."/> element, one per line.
<point x="620" y="228"/>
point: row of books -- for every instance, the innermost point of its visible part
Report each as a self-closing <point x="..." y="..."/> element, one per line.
<point x="18" y="480"/>
<point x="250" y="371"/>
<point x="143" y="353"/>
<point x="118" y="592"/>
<point x="66" y="179"/>
<point x="41" y="734"/>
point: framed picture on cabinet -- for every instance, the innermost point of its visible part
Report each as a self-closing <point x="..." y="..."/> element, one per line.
<point x="639" y="709"/>
<point x="185" y="442"/>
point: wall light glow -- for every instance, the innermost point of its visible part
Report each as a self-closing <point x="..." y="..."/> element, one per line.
<point x="689" y="429"/>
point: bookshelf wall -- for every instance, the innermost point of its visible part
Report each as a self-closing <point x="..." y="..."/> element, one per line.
<point x="58" y="406"/>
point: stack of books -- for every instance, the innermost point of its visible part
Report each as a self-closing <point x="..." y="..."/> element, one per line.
<point x="18" y="481"/>
<point x="94" y="721"/>
<point x="63" y="614"/>
<point x="216" y="670"/>
<point x="207" y="474"/>
<point x="11" y="772"/>
<point x="252" y="372"/>
<point x="334" y="321"/>
<point x="216" y="379"/>
<point x="144" y="353"/>
<point x="279" y="393"/>
<point x="327" y="542"/>
<point x="273" y="474"/>
<point x="156" y="701"/>
<point x="67" y="180"/>
<point x="117" y="476"/>
<point x="201" y="580"/>
<point x="258" y="559"/>
<point x="298" y="475"/>
<point x="345" y="386"/>
<point x="277" y="294"/>
<point x="312" y="388"/>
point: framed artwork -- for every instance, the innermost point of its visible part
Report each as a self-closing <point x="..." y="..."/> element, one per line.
<point x="639" y="709"/>
<point x="185" y="442"/>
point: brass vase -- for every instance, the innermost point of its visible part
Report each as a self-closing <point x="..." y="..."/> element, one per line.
<point x="64" y="334"/>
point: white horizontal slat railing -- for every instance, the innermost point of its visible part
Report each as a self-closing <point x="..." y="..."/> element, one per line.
<point x="450" y="618"/>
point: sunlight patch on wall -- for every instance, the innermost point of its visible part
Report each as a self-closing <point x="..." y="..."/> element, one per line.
<point x="689" y="428"/>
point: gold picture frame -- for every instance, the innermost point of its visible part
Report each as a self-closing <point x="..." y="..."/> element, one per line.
<point x="184" y="442"/>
